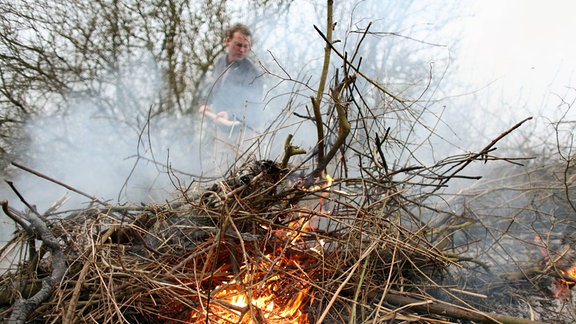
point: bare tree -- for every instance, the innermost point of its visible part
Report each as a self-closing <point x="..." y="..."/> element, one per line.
<point x="52" y="52"/>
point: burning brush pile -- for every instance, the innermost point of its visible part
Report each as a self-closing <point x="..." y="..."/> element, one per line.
<point x="258" y="247"/>
<point x="262" y="246"/>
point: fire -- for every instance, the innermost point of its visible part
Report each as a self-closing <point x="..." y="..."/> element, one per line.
<point x="560" y="287"/>
<point x="259" y="297"/>
<point x="325" y="183"/>
<point x="271" y="287"/>
<point x="569" y="276"/>
<point x="270" y="298"/>
<point x="265" y="306"/>
<point x="564" y="279"/>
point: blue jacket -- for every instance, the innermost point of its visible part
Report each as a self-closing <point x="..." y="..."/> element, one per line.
<point x="236" y="89"/>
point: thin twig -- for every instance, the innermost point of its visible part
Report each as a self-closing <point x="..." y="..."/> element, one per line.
<point x="482" y="152"/>
<point x="38" y="174"/>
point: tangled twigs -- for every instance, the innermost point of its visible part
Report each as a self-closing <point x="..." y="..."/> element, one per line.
<point x="23" y="307"/>
<point x="483" y="154"/>
<point x="374" y="83"/>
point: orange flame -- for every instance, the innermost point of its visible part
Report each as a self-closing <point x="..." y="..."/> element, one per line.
<point x="261" y="306"/>
<point x="259" y="299"/>
<point x="571" y="276"/>
<point x="560" y="286"/>
<point x="270" y="290"/>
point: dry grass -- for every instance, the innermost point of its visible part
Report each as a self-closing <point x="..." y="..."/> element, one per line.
<point x="350" y="252"/>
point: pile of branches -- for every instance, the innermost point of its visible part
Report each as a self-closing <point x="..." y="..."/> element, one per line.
<point x="315" y="251"/>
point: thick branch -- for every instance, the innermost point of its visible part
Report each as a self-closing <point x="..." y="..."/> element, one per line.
<point x="453" y="311"/>
<point x="343" y="128"/>
<point x="380" y="87"/>
<point x="23" y="307"/>
<point x="290" y="150"/>
<point x="10" y="213"/>
<point x="316" y="102"/>
<point x="343" y="123"/>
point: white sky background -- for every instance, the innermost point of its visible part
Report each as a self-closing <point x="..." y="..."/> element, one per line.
<point x="527" y="43"/>
<point x="523" y="52"/>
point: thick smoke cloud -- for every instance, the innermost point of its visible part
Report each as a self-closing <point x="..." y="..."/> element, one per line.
<point x="102" y="157"/>
<point x="119" y="155"/>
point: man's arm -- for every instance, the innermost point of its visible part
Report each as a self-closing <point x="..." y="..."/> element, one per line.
<point x="219" y="118"/>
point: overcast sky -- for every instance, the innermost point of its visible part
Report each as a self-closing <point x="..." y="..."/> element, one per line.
<point x="526" y="47"/>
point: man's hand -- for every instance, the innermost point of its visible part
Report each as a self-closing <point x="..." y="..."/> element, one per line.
<point x="220" y="117"/>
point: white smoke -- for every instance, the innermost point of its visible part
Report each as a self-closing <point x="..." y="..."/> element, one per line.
<point x="126" y="159"/>
<point x="118" y="155"/>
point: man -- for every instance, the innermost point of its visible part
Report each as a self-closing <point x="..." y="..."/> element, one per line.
<point x="237" y="84"/>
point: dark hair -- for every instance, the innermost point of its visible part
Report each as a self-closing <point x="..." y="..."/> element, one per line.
<point x="239" y="28"/>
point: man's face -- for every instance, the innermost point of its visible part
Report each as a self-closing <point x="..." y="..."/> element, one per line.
<point x="238" y="47"/>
